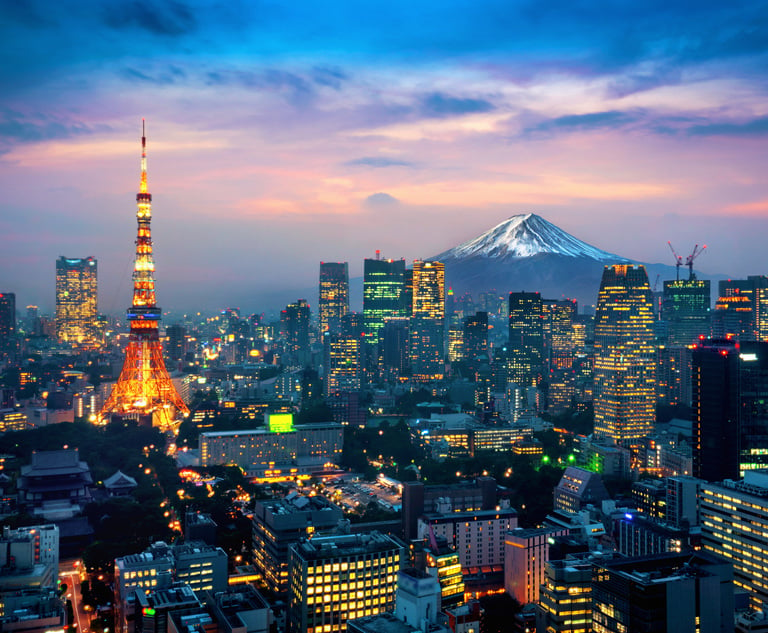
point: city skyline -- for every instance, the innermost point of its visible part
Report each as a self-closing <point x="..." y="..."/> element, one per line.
<point x="278" y="140"/>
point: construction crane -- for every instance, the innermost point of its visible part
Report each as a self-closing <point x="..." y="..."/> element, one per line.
<point x="678" y="260"/>
<point x="689" y="260"/>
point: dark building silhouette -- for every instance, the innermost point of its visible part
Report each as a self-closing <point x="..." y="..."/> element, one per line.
<point x="394" y="343"/>
<point x="730" y="401"/>
<point x="476" y="339"/>
<point x="294" y="326"/>
<point x="7" y="322"/>
<point x="177" y="344"/>
<point x="666" y="592"/>
<point x="419" y="498"/>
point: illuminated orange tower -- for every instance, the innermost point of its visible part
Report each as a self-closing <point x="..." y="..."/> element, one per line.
<point x="144" y="389"/>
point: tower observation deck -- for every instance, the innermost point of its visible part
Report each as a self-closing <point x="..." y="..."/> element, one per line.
<point x="144" y="390"/>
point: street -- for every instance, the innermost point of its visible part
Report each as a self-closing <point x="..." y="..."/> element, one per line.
<point x="69" y="572"/>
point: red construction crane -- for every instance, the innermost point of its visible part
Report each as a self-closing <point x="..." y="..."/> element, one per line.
<point x="678" y="260"/>
<point x="689" y="260"/>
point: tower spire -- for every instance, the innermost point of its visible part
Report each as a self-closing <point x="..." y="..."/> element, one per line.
<point x="143" y="184"/>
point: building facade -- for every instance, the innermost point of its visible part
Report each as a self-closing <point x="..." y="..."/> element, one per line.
<point x="526" y="553"/>
<point x="383" y="295"/>
<point x="278" y="524"/>
<point x="275" y="454"/>
<point x="526" y="339"/>
<point x="76" y="300"/>
<point x="686" y="311"/>
<point x="734" y="525"/>
<point x="624" y="371"/>
<point x="336" y="578"/>
<point x="333" y="302"/>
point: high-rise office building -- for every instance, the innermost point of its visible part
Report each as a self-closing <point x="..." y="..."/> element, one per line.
<point x="428" y="320"/>
<point x="7" y="322"/>
<point x="558" y="332"/>
<point x="429" y="289"/>
<point x="734" y="315"/>
<point x="475" y="339"/>
<point x="383" y="294"/>
<point x="395" y="345"/>
<point x="625" y="360"/>
<point x="686" y="310"/>
<point x="526" y="338"/>
<point x="294" y="326"/>
<point x="333" y="301"/>
<point x="343" y="362"/>
<point x="76" y="300"/>
<point x="730" y="403"/>
<point x="673" y="375"/>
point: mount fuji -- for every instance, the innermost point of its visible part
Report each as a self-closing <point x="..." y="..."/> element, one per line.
<point x="526" y="252"/>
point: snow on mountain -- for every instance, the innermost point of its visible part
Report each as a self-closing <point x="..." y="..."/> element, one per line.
<point x="525" y="236"/>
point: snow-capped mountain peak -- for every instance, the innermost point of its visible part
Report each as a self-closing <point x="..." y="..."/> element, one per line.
<point x="525" y="236"/>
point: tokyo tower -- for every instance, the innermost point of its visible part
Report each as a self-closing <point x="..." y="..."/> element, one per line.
<point x="144" y="390"/>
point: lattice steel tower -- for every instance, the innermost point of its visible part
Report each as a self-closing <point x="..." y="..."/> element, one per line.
<point x="144" y="389"/>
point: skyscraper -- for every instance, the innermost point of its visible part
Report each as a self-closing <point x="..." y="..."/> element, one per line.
<point x="686" y="310"/>
<point x="294" y="325"/>
<point x="383" y="294"/>
<point x="475" y="339"/>
<point x="558" y="332"/>
<point x="334" y="295"/>
<point x="76" y="300"/>
<point x="343" y="370"/>
<point x="625" y="380"/>
<point x="428" y="320"/>
<point x="144" y="389"/>
<point x="7" y="322"/>
<point x="526" y="338"/>
<point x="730" y="403"/>
<point x="734" y="315"/>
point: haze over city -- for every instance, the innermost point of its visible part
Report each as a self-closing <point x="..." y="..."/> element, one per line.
<point x="282" y="136"/>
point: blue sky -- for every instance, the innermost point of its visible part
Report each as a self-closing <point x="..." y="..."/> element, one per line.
<point x="285" y="134"/>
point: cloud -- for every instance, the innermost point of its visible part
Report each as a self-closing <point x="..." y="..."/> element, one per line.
<point x="440" y="105"/>
<point x="169" y="76"/>
<point x="378" y="161"/>
<point x="381" y="199"/>
<point x="610" y="119"/>
<point x="166" y="18"/>
<point x="330" y="77"/>
<point x="755" y="127"/>
<point x="16" y="127"/>
<point x="295" y="87"/>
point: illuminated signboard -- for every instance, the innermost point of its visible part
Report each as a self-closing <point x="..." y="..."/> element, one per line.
<point x="280" y="422"/>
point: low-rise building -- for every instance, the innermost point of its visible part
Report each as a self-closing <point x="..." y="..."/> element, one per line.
<point x="337" y="578"/>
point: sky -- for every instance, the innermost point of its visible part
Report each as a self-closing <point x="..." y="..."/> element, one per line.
<point x="284" y="134"/>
